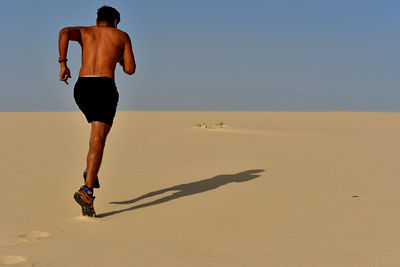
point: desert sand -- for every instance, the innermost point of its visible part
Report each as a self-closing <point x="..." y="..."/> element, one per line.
<point x="266" y="189"/>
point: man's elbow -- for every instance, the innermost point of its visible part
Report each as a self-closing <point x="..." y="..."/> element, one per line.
<point x="63" y="32"/>
<point x="130" y="71"/>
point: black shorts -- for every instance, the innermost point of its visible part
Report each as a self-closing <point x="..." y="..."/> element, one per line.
<point x="97" y="98"/>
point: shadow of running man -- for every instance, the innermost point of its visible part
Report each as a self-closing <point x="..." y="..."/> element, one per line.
<point x="187" y="190"/>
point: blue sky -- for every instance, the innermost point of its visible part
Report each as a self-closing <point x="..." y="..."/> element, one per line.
<point x="214" y="55"/>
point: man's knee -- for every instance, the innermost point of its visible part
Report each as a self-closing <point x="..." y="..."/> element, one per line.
<point x="98" y="140"/>
<point x="99" y="133"/>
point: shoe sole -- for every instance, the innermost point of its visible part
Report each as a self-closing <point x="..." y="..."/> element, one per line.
<point x="86" y="211"/>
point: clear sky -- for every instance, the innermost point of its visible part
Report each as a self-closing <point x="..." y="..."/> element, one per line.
<point x="214" y="54"/>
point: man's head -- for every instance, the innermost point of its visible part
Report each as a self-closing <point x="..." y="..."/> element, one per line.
<point x="108" y="14"/>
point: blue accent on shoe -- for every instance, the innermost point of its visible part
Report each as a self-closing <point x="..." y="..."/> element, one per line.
<point x="89" y="190"/>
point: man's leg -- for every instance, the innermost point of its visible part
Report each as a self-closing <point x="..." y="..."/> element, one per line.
<point x="97" y="142"/>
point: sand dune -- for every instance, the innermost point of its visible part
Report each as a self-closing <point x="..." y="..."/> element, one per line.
<point x="266" y="189"/>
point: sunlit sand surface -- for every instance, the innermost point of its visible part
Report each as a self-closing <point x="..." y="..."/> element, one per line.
<point x="266" y="189"/>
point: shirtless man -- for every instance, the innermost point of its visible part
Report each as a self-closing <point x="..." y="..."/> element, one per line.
<point x="95" y="93"/>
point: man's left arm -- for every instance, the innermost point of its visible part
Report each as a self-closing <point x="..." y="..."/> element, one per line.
<point x="67" y="34"/>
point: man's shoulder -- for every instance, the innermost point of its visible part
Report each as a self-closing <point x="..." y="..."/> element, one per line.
<point x="82" y="28"/>
<point x="85" y="28"/>
<point x="122" y="33"/>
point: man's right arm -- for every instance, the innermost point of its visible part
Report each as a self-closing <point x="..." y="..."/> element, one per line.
<point x="129" y="64"/>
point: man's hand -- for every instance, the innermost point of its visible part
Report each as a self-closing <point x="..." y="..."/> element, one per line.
<point x="65" y="74"/>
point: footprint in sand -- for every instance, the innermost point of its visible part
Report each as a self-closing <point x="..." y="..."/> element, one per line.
<point x="11" y="259"/>
<point x="28" y="237"/>
<point x="33" y="236"/>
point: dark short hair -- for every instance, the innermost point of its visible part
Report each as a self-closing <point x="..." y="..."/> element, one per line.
<point x="107" y="13"/>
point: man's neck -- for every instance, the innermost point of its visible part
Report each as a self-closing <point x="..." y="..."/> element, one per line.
<point x="105" y="24"/>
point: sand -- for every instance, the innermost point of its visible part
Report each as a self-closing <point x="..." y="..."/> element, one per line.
<point x="266" y="189"/>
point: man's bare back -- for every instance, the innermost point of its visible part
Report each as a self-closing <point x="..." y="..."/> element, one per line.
<point x="102" y="48"/>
